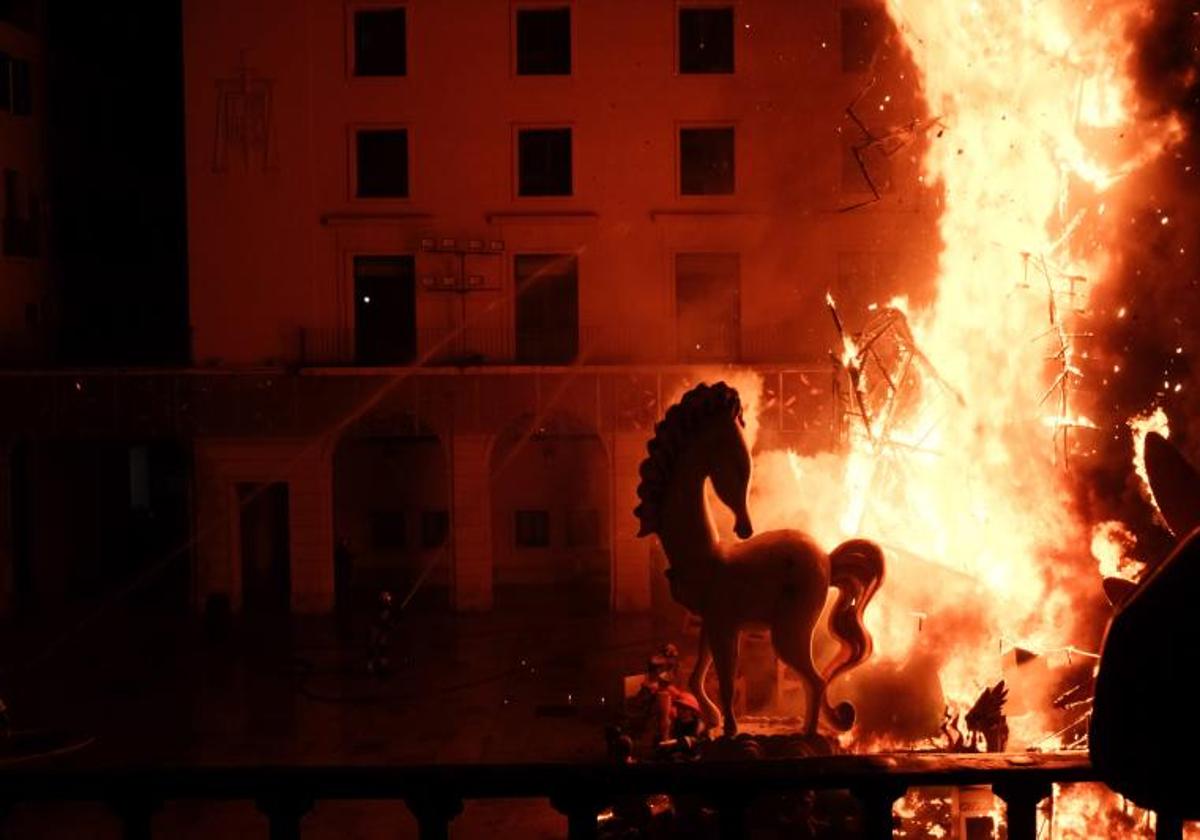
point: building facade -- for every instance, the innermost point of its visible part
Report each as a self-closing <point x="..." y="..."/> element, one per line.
<point x="449" y="263"/>
<point x="25" y="280"/>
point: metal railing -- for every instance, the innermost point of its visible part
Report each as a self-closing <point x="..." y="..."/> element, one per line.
<point x="580" y="791"/>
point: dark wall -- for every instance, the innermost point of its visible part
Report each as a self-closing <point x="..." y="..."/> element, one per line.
<point x="117" y="181"/>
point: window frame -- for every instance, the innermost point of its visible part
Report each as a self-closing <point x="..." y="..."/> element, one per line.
<point x="517" y="128"/>
<point x="352" y="9"/>
<point x="352" y="160"/>
<point x="680" y="127"/>
<point x="682" y="5"/>
<point x="516" y="6"/>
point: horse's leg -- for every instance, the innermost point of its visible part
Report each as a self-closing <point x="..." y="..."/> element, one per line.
<point x="791" y="636"/>
<point x="712" y="715"/>
<point x="724" y="643"/>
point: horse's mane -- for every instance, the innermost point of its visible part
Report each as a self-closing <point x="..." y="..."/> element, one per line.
<point x="698" y="405"/>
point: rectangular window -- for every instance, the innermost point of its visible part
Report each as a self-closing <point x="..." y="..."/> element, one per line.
<point x="708" y="306"/>
<point x="544" y="162"/>
<point x="388" y="529"/>
<point x="385" y="310"/>
<point x="20" y="13"/>
<point x="531" y="528"/>
<point x="22" y="88"/>
<point x="547" y="308"/>
<point x="706" y="164"/>
<point x="381" y="163"/>
<point x="544" y="41"/>
<point x="435" y="528"/>
<point x="863" y="29"/>
<point x="583" y="528"/>
<point x="706" y="40"/>
<point x="864" y="167"/>
<point x="5" y="82"/>
<point x="380" y="42"/>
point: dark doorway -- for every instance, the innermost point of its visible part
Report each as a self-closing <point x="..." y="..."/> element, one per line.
<point x="547" y="308"/>
<point x="385" y="310"/>
<point x="264" y="533"/>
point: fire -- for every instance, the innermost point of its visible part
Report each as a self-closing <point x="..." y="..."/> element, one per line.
<point x="1141" y="426"/>
<point x="964" y="481"/>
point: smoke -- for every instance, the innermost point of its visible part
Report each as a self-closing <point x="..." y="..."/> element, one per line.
<point x="1146" y="315"/>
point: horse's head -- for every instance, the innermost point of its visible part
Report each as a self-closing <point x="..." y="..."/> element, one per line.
<point x="729" y="467"/>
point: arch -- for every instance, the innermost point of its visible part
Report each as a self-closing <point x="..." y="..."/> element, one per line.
<point x="551" y="514"/>
<point x="391" y="515"/>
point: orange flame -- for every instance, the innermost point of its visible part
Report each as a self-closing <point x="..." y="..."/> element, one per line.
<point x="966" y="490"/>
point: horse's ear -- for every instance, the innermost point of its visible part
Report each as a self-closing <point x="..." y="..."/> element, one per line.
<point x="1176" y="484"/>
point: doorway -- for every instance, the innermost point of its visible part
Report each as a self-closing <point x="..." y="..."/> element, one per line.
<point x="385" y="310"/>
<point x="264" y="537"/>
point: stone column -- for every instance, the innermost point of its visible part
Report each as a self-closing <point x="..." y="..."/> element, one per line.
<point x="471" y="522"/>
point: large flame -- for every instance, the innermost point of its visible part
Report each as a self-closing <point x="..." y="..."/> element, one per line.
<point x="967" y="486"/>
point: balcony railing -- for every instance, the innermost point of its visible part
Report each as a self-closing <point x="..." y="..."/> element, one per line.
<point x="473" y="346"/>
<point x="435" y="794"/>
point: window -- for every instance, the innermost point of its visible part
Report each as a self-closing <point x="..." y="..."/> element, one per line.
<point x="706" y="40"/>
<point x="544" y="42"/>
<point x="544" y="161"/>
<point x="380" y="42"/>
<point x="5" y="82"/>
<point x="435" y="528"/>
<point x="382" y="163"/>
<point x="385" y="310"/>
<point x="388" y="529"/>
<point x="531" y="528"/>
<point x="583" y="528"/>
<point x="707" y="306"/>
<point x="20" y="13"/>
<point x="547" y="308"/>
<point x="706" y="161"/>
<point x="20" y="226"/>
<point x="22" y="88"/>
<point x="864" y="167"/>
<point x="863" y="29"/>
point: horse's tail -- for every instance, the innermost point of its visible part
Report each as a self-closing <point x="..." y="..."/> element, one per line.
<point x="856" y="569"/>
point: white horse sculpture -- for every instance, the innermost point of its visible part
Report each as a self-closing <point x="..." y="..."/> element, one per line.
<point x="778" y="580"/>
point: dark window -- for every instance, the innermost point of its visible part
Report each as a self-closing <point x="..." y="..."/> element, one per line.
<point x="382" y="163"/>
<point x="5" y="82"/>
<point x="380" y="42"/>
<point x="547" y="308"/>
<point x="544" y="42"/>
<point x="706" y="40"/>
<point x="435" y="528"/>
<point x="863" y="167"/>
<point x="706" y="161"/>
<point x="863" y="31"/>
<point x="544" y="161"/>
<point x="531" y="528"/>
<point x="707" y="306"/>
<point x="388" y="529"/>
<point x="22" y="88"/>
<point x="385" y="310"/>
<point x="20" y="13"/>
<point x="583" y="528"/>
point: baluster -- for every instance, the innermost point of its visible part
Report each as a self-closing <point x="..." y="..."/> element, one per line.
<point x="581" y="811"/>
<point x="731" y="815"/>
<point x="1022" y="799"/>
<point x="877" y="800"/>
<point x="136" y="815"/>
<point x="284" y="814"/>
<point x="1168" y="827"/>
<point x="434" y="813"/>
